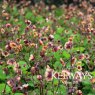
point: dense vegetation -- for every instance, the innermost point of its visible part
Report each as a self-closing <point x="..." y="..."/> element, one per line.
<point x="45" y="50"/>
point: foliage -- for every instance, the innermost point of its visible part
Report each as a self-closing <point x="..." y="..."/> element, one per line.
<point x="45" y="50"/>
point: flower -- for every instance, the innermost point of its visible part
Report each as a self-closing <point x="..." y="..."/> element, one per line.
<point x="81" y="57"/>
<point x="92" y="80"/>
<point x="78" y="76"/>
<point x="11" y="61"/>
<point x="8" y="25"/>
<point x="17" y="78"/>
<point x="56" y="75"/>
<point x="65" y="74"/>
<point x="39" y="77"/>
<point x="79" y="92"/>
<point x="68" y="45"/>
<point x="31" y="57"/>
<point x="62" y="62"/>
<point x="33" y="70"/>
<point x="79" y="63"/>
<point x="5" y="53"/>
<point x="87" y="56"/>
<point x="28" y="22"/>
<point x="25" y="86"/>
<point x="40" y="42"/>
<point x="79" y="67"/>
<point x="1" y="62"/>
<point x="73" y="61"/>
<point x="71" y="38"/>
<point x="11" y="83"/>
<point x="17" y="69"/>
<point x="48" y="74"/>
<point x="51" y="37"/>
<point x="12" y="44"/>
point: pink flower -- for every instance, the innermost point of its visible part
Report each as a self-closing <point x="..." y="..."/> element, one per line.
<point x="11" y="83"/>
<point x="8" y="25"/>
<point x="39" y="77"/>
<point x="49" y="74"/>
<point x="11" y="62"/>
<point x="68" y="45"/>
<point x="82" y="56"/>
<point x="66" y="74"/>
<point x="78" y="76"/>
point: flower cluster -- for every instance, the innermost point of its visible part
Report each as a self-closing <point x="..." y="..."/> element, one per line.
<point x="47" y="50"/>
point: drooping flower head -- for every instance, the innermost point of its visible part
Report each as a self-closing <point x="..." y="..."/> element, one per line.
<point x="48" y="74"/>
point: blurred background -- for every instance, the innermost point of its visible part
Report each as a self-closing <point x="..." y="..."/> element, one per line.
<point x="55" y="2"/>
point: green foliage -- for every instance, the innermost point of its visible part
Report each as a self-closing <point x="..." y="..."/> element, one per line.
<point x="2" y="74"/>
<point x="65" y="54"/>
<point x="2" y="87"/>
<point x="44" y="32"/>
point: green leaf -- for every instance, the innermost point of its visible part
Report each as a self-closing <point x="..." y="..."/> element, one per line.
<point x="86" y="83"/>
<point x="66" y="54"/>
<point x="93" y="73"/>
<point x="15" y="11"/>
<point x="90" y="94"/>
<point x="57" y="64"/>
<point x="81" y="49"/>
<point x="18" y="94"/>
<point x="48" y="23"/>
<point x="28" y="15"/>
<point x="49" y="93"/>
<point x="74" y="19"/>
<point x="59" y="30"/>
<point x="2" y="87"/>
<point x="23" y="65"/>
<point x="31" y="83"/>
<point x="55" y="81"/>
<point x="2" y="74"/>
<point x="57" y="55"/>
<point x="39" y="19"/>
<point x="58" y="12"/>
<point x="57" y="37"/>
<point x="62" y="89"/>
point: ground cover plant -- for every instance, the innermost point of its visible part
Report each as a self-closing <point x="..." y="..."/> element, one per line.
<point x="47" y="50"/>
